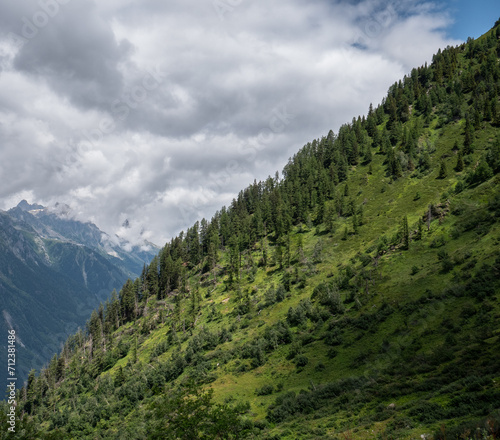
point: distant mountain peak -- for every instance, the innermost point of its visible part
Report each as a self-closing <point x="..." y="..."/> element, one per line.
<point x="25" y="206"/>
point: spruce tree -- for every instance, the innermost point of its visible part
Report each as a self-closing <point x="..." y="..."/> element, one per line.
<point x="469" y="135"/>
<point x="442" y="170"/>
<point x="460" y="162"/>
<point x="346" y="234"/>
<point x="355" y="224"/>
<point x="405" y="233"/>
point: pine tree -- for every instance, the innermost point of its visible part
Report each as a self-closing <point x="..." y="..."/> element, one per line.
<point x="361" y="215"/>
<point x="329" y="217"/>
<point x="420" y="228"/>
<point x="397" y="168"/>
<point x="367" y="158"/>
<point x="355" y="223"/>
<point x="263" y="246"/>
<point x="460" y="162"/>
<point x="442" y="170"/>
<point x="405" y="233"/>
<point x="469" y="135"/>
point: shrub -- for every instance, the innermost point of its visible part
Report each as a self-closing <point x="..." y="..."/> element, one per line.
<point x="446" y="265"/>
<point x="320" y="367"/>
<point x="295" y="349"/>
<point x="332" y="353"/>
<point x="264" y="390"/>
<point x="301" y="361"/>
<point x="438" y="242"/>
<point x="426" y="412"/>
<point x="334" y="337"/>
<point x="482" y="173"/>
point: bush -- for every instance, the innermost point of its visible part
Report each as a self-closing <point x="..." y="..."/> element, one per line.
<point x="265" y="390"/>
<point x="459" y="187"/>
<point x="280" y="293"/>
<point x="301" y="361"/>
<point x="482" y="173"/>
<point x="334" y="337"/>
<point x="468" y="311"/>
<point x="426" y="412"/>
<point x="295" y="349"/>
<point x="438" y="242"/>
<point x="332" y="353"/>
<point x="320" y="367"/>
<point x="446" y="265"/>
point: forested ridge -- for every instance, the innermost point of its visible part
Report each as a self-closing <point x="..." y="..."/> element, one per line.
<point x="356" y="295"/>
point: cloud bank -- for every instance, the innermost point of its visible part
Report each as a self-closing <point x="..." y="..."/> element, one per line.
<point x="160" y="112"/>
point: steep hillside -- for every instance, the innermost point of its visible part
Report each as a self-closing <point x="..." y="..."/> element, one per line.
<point x="50" y="282"/>
<point x="354" y="297"/>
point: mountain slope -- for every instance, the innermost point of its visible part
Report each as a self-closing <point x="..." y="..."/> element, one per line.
<point x="57" y="223"/>
<point x="355" y="297"/>
<point x="50" y="282"/>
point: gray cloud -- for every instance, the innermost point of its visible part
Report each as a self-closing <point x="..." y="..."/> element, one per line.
<point x="160" y="112"/>
<point x="75" y="51"/>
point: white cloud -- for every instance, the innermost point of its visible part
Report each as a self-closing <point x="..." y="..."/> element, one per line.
<point x="160" y="113"/>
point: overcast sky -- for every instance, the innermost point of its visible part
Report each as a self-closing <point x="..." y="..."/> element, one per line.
<point x="159" y="112"/>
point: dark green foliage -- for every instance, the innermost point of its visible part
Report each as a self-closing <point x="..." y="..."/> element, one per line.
<point x="405" y="233"/>
<point x="332" y="394"/>
<point x="460" y="162"/>
<point x="191" y="414"/>
<point x="265" y="390"/>
<point x="426" y="412"/>
<point x="301" y="361"/>
<point x="334" y="337"/>
<point x="298" y="315"/>
<point x="443" y="172"/>
<point x="328" y="295"/>
<point x="480" y="427"/>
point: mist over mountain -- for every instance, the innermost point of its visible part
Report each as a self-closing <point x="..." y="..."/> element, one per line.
<point x="60" y="223"/>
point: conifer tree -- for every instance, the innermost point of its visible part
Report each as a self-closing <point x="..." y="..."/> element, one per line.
<point x="329" y="217"/>
<point x="361" y="215"/>
<point x="460" y="162"/>
<point x="263" y="246"/>
<point x="420" y="228"/>
<point x="355" y="223"/>
<point x="469" y="135"/>
<point x="405" y="233"/>
<point x="442" y="170"/>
